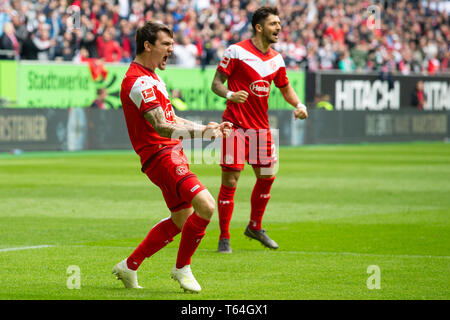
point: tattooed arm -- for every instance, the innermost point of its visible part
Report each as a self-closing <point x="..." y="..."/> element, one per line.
<point x="172" y="130"/>
<point x="210" y="131"/>
<point x="186" y="122"/>
<point x="181" y="128"/>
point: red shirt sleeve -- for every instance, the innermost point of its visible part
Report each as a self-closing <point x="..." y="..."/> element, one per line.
<point x="226" y="65"/>
<point x="149" y="100"/>
<point x="143" y="94"/>
<point x="281" y="79"/>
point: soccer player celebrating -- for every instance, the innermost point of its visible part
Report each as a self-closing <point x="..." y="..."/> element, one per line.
<point x="249" y="67"/>
<point x="154" y="132"/>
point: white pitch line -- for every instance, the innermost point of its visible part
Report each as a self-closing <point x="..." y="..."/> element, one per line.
<point x="26" y="248"/>
<point x="414" y="256"/>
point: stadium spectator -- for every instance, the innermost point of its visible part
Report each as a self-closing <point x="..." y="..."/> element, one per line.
<point x="29" y="50"/>
<point x="433" y="65"/>
<point x="19" y="26"/>
<point x="359" y="54"/>
<point x="89" y="42"/>
<point x="44" y="44"/>
<point x="186" y="53"/>
<point x="327" y="53"/>
<point x="346" y="63"/>
<point x="124" y="8"/>
<point x="8" y="41"/>
<point x="208" y="54"/>
<point x="177" y="100"/>
<point x="99" y="102"/>
<point x="126" y="41"/>
<point x="418" y="98"/>
<point x="64" y="48"/>
<point x="108" y="48"/>
<point x="5" y="15"/>
<point x="322" y="101"/>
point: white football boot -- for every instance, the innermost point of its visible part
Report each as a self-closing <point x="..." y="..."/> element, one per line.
<point x="128" y="276"/>
<point x="186" y="279"/>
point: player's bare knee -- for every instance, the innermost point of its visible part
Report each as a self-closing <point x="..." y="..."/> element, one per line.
<point x="205" y="205"/>
<point x="180" y="217"/>
<point x="231" y="183"/>
<point x="208" y="208"/>
<point x="230" y="179"/>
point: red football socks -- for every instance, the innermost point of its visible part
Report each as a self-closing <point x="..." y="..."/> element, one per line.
<point x="158" y="237"/>
<point x="193" y="231"/>
<point x="259" y="199"/>
<point x="225" y="207"/>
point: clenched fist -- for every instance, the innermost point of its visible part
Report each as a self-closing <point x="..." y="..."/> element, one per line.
<point x="239" y="97"/>
<point x="300" y="112"/>
<point x="212" y="131"/>
<point x="226" y="128"/>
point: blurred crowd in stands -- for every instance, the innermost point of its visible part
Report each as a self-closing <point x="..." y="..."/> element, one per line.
<point x="353" y="35"/>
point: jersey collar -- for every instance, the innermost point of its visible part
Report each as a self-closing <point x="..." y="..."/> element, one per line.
<point x="141" y="66"/>
<point x="256" y="48"/>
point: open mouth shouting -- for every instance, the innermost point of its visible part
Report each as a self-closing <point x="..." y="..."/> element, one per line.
<point x="164" y="60"/>
<point x="275" y="36"/>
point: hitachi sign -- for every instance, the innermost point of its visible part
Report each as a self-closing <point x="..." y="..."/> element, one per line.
<point x="364" y="95"/>
<point x="437" y="95"/>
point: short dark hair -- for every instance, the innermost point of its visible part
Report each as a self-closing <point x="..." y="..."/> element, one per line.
<point x="149" y="32"/>
<point x="261" y="15"/>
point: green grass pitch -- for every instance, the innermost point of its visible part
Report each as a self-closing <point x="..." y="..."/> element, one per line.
<point x="335" y="211"/>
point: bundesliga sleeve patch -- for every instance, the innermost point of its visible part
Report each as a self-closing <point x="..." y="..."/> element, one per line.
<point x="225" y="61"/>
<point x="148" y="95"/>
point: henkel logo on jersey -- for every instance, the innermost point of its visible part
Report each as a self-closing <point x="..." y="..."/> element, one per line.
<point x="148" y="95"/>
<point x="260" y="88"/>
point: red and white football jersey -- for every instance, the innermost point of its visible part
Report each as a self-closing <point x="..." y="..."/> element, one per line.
<point x="249" y="69"/>
<point x="143" y="90"/>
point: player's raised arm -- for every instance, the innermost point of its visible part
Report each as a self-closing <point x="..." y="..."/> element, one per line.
<point x="168" y="129"/>
<point x="219" y="88"/>
<point x="182" y="127"/>
<point x="224" y="127"/>
<point x="291" y="97"/>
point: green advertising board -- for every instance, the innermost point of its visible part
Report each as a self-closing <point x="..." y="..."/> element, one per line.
<point x="57" y="85"/>
<point x="62" y="85"/>
<point x="8" y="81"/>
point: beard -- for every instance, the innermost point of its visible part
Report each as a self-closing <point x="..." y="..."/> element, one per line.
<point x="269" y="37"/>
